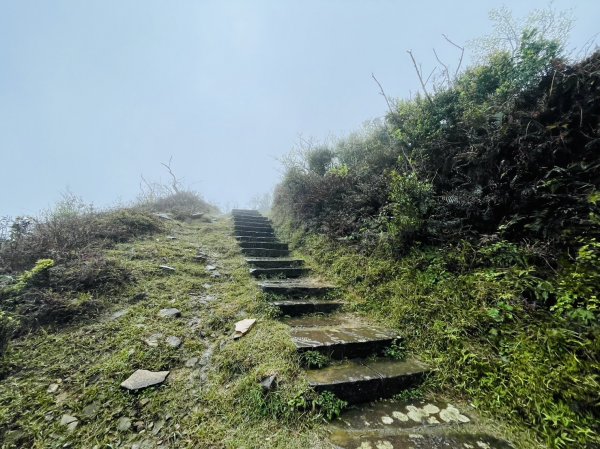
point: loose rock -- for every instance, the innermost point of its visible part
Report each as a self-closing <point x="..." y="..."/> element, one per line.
<point x="169" y="313"/>
<point x="123" y="424"/>
<point x="174" y="342"/>
<point x="242" y="327"/>
<point x="269" y="383"/>
<point x="143" y="378"/>
<point x="190" y="363"/>
<point x="153" y="340"/>
<point x="70" y="421"/>
<point x="167" y="268"/>
<point x="52" y="388"/>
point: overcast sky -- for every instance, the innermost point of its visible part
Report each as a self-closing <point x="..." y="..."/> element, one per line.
<point x="94" y="94"/>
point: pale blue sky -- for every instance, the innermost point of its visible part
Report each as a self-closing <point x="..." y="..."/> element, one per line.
<point x="95" y="93"/>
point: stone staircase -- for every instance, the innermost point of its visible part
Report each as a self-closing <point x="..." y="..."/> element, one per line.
<point x="359" y="370"/>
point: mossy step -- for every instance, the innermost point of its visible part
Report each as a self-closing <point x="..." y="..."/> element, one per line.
<point x="262" y="244"/>
<point x="265" y="252"/>
<point x="274" y="262"/>
<point x="299" y="307"/>
<point x="343" y="342"/>
<point x="295" y="288"/>
<point x="293" y="272"/>
<point x="358" y="381"/>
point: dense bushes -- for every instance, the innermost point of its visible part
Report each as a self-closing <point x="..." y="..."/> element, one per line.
<point x="470" y="217"/>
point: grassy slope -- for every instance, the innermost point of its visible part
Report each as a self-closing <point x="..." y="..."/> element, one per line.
<point x="511" y="367"/>
<point x="217" y="405"/>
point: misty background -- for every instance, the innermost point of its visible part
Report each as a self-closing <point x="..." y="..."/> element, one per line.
<point x="95" y="94"/>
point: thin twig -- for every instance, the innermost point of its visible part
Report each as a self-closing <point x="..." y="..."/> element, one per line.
<point x="462" y="54"/>
<point x="382" y="93"/>
<point x="175" y="182"/>
<point x="443" y="65"/>
<point x="420" y="75"/>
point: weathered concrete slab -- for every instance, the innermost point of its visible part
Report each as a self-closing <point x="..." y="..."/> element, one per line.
<point x="235" y="212"/>
<point x="392" y="415"/>
<point x="295" y="287"/>
<point x="359" y="381"/>
<point x="274" y="262"/>
<point x="243" y="238"/>
<point x="255" y="233"/>
<point x="252" y="228"/>
<point x="426" y="440"/>
<point x="294" y="308"/>
<point x="263" y="244"/>
<point x="251" y="220"/>
<point x="293" y="272"/>
<point x="265" y="252"/>
<point x="343" y="342"/>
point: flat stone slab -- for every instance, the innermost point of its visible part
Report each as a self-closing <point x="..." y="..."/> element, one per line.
<point x="263" y="244"/>
<point x="143" y="379"/>
<point x="265" y="252"/>
<point x="391" y="415"/>
<point x="297" y="307"/>
<point x="274" y="262"/>
<point x="446" y="440"/>
<point x="361" y="381"/>
<point x="244" y="238"/>
<point x="295" y="287"/>
<point x="287" y="272"/>
<point x="340" y="342"/>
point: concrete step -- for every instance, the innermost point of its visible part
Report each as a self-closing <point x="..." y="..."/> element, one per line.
<point x="243" y="238"/>
<point x="255" y="228"/>
<point x="266" y="245"/>
<point x="295" y="287"/>
<point x="254" y="233"/>
<point x="240" y="212"/>
<point x="294" y="272"/>
<point x="357" y="381"/>
<point x="265" y="252"/>
<point x="415" y="424"/>
<point x="299" y="307"/>
<point x="343" y="342"/>
<point x="274" y="262"/>
<point x="251" y="220"/>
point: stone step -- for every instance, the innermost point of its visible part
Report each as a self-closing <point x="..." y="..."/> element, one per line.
<point x="299" y="307"/>
<point x="343" y="342"/>
<point x="254" y="234"/>
<point x="416" y="424"/>
<point x="357" y="381"/>
<point x="244" y="238"/>
<point x="251" y="220"/>
<point x="266" y="245"/>
<point x="274" y="262"/>
<point x="236" y="212"/>
<point x="255" y="228"/>
<point x="294" y="272"/>
<point x="265" y="252"/>
<point x="295" y="288"/>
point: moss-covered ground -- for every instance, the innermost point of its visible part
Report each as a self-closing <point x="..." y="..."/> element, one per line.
<point x="214" y="403"/>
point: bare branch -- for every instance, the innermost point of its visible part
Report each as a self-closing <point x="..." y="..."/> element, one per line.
<point x="175" y="182"/>
<point x="420" y="75"/>
<point x="382" y="93"/>
<point x="443" y="65"/>
<point x="462" y="54"/>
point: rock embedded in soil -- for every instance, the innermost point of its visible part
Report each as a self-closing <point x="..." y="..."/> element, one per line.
<point x="174" y="342"/>
<point x="143" y="378"/>
<point x="169" y="313"/>
<point x="153" y="340"/>
<point x="211" y="268"/>
<point x="70" y="421"/>
<point x="123" y="424"/>
<point x="269" y="383"/>
<point x="52" y="388"/>
<point x="190" y="363"/>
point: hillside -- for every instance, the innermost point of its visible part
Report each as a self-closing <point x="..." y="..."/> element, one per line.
<point x="469" y="220"/>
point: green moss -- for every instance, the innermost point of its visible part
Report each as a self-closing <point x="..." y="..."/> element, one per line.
<point x="478" y="317"/>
